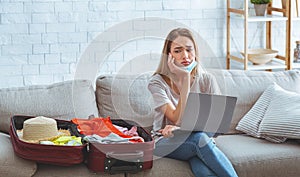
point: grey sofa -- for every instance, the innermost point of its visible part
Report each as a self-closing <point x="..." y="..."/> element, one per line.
<point x="127" y="97"/>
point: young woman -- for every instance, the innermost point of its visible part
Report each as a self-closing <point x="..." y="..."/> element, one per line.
<point x="170" y="86"/>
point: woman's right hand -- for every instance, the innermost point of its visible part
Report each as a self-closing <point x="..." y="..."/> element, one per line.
<point x="179" y="72"/>
<point x="167" y="132"/>
<point x="182" y="76"/>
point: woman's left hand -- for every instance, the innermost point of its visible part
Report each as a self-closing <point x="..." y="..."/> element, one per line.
<point x="167" y="132"/>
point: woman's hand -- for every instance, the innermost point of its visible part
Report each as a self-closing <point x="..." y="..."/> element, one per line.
<point x="167" y="132"/>
<point x="179" y="72"/>
<point x="182" y="76"/>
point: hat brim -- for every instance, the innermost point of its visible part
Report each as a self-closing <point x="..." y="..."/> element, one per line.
<point x="61" y="132"/>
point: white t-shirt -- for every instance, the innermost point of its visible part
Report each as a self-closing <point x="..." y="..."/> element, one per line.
<point x="163" y="94"/>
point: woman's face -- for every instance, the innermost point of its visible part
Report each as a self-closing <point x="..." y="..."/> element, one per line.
<point x="183" y="51"/>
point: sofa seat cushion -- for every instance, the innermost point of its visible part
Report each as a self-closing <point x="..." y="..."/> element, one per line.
<point x="80" y="170"/>
<point x="167" y="167"/>
<point x="12" y="165"/>
<point x="161" y="167"/>
<point x="254" y="157"/>
<point x="64" y="100"/>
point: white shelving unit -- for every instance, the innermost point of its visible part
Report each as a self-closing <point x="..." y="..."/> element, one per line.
<point x="280" y="62"/>
<point x="261" y="18"/>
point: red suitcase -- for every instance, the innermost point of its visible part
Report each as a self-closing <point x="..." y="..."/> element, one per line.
<point x="50" y="154"/>
<point x="121" y="158"/>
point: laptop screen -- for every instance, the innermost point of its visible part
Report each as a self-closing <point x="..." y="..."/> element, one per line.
<point x="208" y="113"/>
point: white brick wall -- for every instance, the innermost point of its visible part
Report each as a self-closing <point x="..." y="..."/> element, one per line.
<point x="46" y="41"/>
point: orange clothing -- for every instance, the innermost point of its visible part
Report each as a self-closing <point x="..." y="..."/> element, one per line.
<point x="100" y="126"/>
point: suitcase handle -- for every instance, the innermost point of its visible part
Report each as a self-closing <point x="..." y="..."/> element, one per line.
<point x="123" y="162"/>
<point x="128" y="156"/>
<point x="125" y="169"/>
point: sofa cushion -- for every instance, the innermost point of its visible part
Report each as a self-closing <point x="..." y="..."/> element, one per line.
<point x="249" y="85"/>
<point x="250" y="123"/>
<point x="254" y="157"/>
<point x="282" y="117"/>
<point x="125" y="97"/>
<point x="161" y="167"/>
<point x="12" y="165"/>
<point x="79" y="170"/>
<point x="63" y="100"/>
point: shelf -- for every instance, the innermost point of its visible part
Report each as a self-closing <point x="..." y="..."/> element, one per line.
<point x="296" y="19"/>
<point x="274" y="64"/>
<point x="260" y="18"/>
<point x="296" y="65"/>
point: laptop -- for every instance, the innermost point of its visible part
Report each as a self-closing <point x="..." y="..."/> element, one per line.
<point x="208" y="113"/>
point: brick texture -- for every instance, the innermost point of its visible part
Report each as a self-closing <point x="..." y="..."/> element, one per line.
<point x="46" y="41"/>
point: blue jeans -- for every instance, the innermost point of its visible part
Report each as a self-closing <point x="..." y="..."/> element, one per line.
<point x="204" y="157"/>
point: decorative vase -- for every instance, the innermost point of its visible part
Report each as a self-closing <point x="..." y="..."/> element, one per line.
<point x="260" y="9"/>
<point x="297" y="52"/>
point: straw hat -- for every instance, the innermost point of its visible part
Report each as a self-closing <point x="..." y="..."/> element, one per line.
<point x="40" y="129"/>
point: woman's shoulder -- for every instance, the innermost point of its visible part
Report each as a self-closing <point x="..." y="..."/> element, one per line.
<point x="156" y="78"/>
<point x="156" y="83"/>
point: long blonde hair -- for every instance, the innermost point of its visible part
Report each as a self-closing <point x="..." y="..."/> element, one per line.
<point x="163" y="68"/>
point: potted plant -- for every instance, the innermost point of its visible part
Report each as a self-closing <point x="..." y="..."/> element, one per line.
<point x="260" y="6"/>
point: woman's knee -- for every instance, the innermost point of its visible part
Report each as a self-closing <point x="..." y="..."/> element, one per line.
<point x="202" y="139"/>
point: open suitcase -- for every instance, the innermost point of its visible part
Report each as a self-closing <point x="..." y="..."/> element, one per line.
<point x="121" y="158"/>
<point x="50" y="154"/>
<point x="110" y="158"/>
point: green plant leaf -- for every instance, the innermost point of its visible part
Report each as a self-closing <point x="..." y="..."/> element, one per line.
<point x="260" y="1"/>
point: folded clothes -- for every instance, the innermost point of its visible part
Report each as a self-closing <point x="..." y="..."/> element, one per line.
<point x="112" y="138"/>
